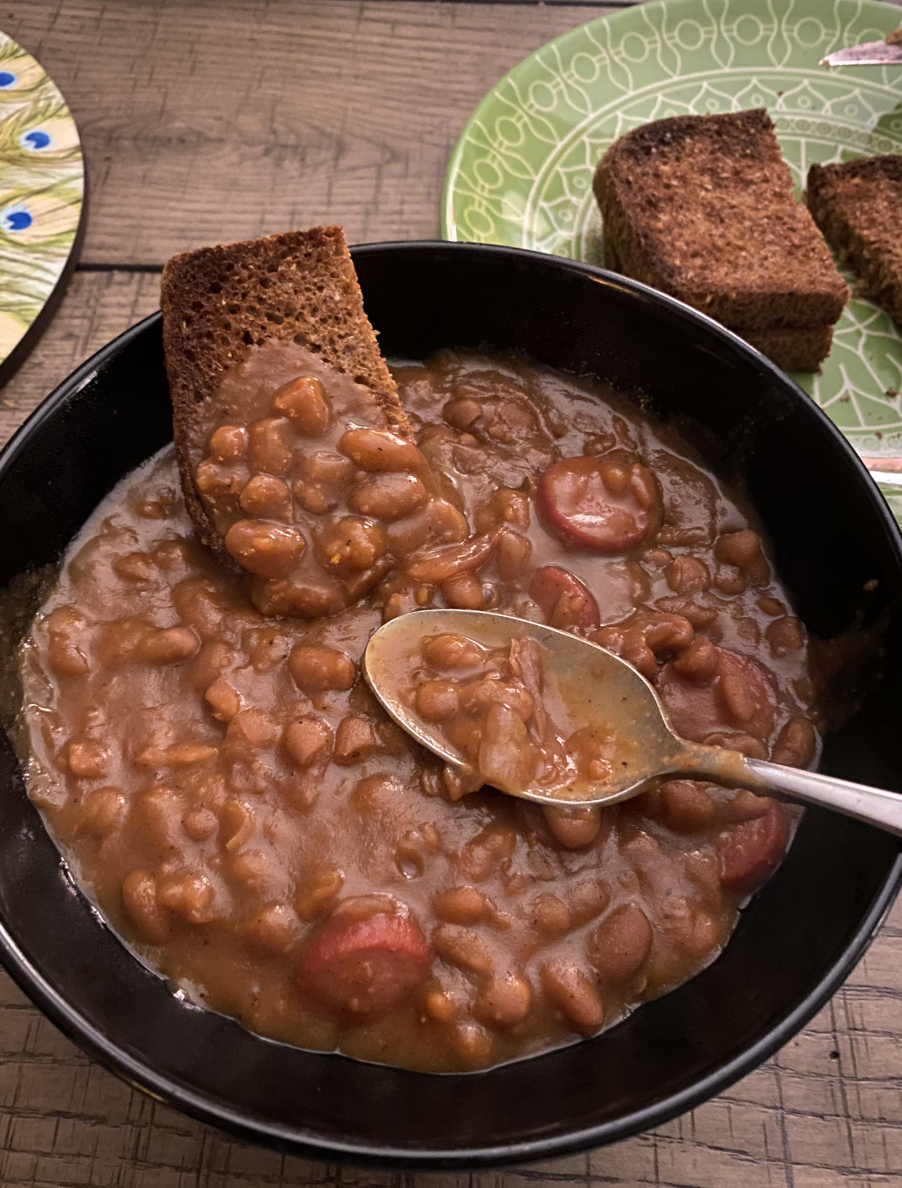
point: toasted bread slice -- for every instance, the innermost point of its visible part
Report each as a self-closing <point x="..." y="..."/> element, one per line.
<point x="218" y="302"/>
<point x="793" y="350"/>
<point x="702" y="208"/>
<point x="858" y="206"/>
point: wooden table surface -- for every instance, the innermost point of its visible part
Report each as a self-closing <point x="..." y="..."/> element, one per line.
<point x="207" y="122"/>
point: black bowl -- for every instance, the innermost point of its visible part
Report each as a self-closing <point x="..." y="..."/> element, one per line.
<point x="794" y="945"/>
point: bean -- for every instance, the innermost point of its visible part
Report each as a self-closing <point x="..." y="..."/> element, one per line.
<point x="741" y="549"/>
<point x="349" y="546"/>
<point x="200" y="824"/>
<point x="318" y="668"/>
<point x="437" y="700"/>
<point x="573" y="993"/>
<point x="487" y="851"/>
<point x="436" y="522"/>
<point x="191" y="896"/>
<point x="161" y="812"/>
<point x="139" y="898"/>
<point x="101" y="812"/>
<point x="223" y="699"/>
<point x="472" y="1043"/>
<point x="550" y="915"/>
<point x="379" y="450"/>
<point x="698" y="662"/>
<point x="438" y="1005"/>
<point x="307" y="598"/>
<point x="476" y="697"/>
<point x="87" y="758"/>
<point x="620" y="943"/>
<point x="737" y="697"/>
<point x="452" y="651"/>
<point x="512" y="507"/>
<point x="228" y="443"/>
<point x="171" y="645"/>
<point x="462" y="413"/>
<point x="463" y="948"/>
<point x="274" y="929"/>
<point x="388" y="496"/>
<point x="256" y="871"/>
<point x="318" y="891"/>
<point x="614" y="475"/>
<point x="463" y="592"/>
<point x="460" y="905"/>
<point x="303" y="401"/>
<point x="785" y="635"/>
<point x="796" y="743"/>
<point x="251" y="730"/>
<point x="269" y="550"/>
<point x="67" y="644"/>
<point x="687" y="575"/>
<point x="307" y="740"/>
<point x="269" y="445"/>
<point x="355" y="740"/>
<point x="686" y="806"/>
<point x="266" y="497"/>
<point x="573" y="827"/>
<point x="730" y="581"/>
<point x="217" y="483"/>
<point x="514" y="552"/>
<point x="175" y="755"/>
<point x="134" y="567"/>
<point x="504" y="1001"/>
<point x="588" y="899"/>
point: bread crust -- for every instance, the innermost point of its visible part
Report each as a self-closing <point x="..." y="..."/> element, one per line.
<point x="218" y="302"/>
<point x="858" y="207"/>
<point x="793" y="350"/>
<point x="702" y="207"/>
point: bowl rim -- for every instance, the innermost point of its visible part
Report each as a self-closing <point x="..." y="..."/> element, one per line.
<point x="213" y="1111"/>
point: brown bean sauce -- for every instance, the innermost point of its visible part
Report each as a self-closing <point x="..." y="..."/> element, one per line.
<point x="226" y="788"/>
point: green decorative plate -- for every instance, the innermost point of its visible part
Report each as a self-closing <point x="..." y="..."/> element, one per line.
<point x="521" y="172"/>
<point x="41" y="199"/>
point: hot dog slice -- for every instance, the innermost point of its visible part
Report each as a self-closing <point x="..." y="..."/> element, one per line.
<point x="364" y="967"/>
<point x="751" y="851"/>
<point x="597" y="503"/>
<point x="563" y="599"/>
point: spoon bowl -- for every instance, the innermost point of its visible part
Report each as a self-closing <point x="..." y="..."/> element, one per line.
<point x="586" y="687"/>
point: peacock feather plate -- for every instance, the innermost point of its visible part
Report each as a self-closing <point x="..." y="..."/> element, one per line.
<point x="521" y="172"/>
<point x="41" y="197"/>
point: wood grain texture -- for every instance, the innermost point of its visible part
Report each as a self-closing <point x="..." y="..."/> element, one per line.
<point x="208" y="122"/>
<point x="205" y="121"/>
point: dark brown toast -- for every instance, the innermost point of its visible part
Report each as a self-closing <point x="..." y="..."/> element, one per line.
<point x="702" y="207"/>
<point x="858" y="206"/>
<point x="217" y="302"/>
<point x="793" y="350"/>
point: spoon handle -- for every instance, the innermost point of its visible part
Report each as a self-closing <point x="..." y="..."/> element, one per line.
<point x="875" y="806"/>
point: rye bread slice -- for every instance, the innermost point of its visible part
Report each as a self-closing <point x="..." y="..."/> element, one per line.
<point x="858" y="206"/>
<point x="793" y="350"/>
<point x="218" y="302"/>
<point x="702" y="207"/>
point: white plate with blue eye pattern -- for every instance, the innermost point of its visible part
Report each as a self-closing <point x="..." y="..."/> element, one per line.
<point x="521" y="172"/>
<point x="42" y="185"/>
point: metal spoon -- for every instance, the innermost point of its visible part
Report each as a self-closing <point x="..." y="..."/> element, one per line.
<point x="597" y="688"/>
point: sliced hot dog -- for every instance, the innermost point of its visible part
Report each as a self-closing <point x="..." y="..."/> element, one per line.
<point x="751" y="851"/>
<point x="737" y="698"/>
<point x="597" y="503"/>
<point x="562" y="598"/>
<point x="364" y="967"/>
